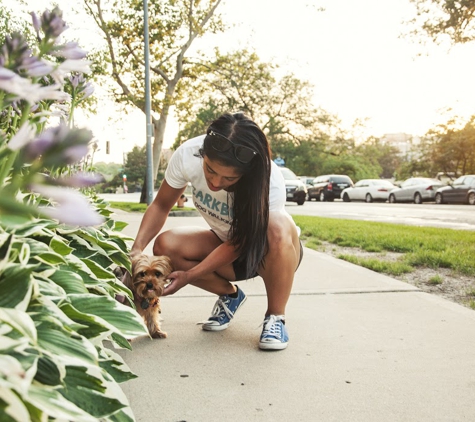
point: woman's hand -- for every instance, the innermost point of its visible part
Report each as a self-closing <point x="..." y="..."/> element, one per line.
<point x="178" y="279"/>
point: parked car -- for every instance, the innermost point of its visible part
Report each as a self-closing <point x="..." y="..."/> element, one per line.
<point x="415" y="189"/>
<point x="307" y="180"/>
<point x="368" y="190"/>
<point x="462" y="190"/>
<point x="296" y="190"/>
<point x="328" y="187"/>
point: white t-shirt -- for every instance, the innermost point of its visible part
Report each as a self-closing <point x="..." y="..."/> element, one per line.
<point x="186" y="165"/>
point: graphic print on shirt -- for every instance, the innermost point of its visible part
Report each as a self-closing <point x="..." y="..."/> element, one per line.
<point x="212" y="206"/>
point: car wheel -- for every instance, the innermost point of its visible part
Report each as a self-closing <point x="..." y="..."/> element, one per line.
<point x="309" y="198"/>
<point x="417" y="198"/>
<point x="322" y="196"/>
<point x="438" y="198"/>
<point x="346" y="198"/>
<point x="368" y="198"/>
<point x="471" y="198"/>
<point x="392" y="199"/>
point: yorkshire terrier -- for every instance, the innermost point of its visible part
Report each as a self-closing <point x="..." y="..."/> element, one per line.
<point x="147" y="282"/>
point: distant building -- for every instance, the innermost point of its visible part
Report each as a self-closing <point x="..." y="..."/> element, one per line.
<point x="402" y="141"/>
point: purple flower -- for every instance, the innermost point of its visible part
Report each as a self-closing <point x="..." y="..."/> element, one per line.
<point x="58" y="146"/>
<point x="70" y="208"/>
<point x="36" y="67"/>
<point x="70" y="50"/>
<point x="24" y="89"/>
<point x="22" y="137"/>
<point x="36" y="23"/>
<point x="52" y="23"/>
<point x="81" y="180"/>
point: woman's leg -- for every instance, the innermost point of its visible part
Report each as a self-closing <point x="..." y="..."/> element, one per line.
<point x="280" y="262"/>
<point x="188" y="246"/>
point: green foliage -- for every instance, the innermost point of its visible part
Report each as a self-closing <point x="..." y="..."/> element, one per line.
<point x="57" y="288"/>
<point x="450" y="18"/>
<point x="137" y="207"/>
<point x="418" y="246"/>
<point x="57" y="307"/>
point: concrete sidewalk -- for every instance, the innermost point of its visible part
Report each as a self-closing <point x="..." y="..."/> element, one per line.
<point x="363" y="347"/>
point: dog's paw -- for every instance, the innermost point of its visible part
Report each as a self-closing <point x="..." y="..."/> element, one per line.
<point x="159" y="334"/>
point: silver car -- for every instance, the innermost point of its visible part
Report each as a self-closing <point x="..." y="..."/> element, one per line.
<point x="416" y="189"/>
<point x="368" y="190"/>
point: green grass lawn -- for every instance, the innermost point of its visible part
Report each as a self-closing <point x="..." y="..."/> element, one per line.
<point x="137" y="207"/>
<point x="419" y="246"/>
<point x="424" y="247"/>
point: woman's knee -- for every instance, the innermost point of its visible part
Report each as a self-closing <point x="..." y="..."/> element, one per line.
<point x="165" y="244"/>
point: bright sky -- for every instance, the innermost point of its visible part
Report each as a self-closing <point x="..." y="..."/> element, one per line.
<point x="353" y="54"/>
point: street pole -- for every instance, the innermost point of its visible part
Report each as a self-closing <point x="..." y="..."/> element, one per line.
<point x="149" y="126"/>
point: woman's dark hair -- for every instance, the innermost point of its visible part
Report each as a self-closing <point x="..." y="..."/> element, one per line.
<point x="250" y="219"/>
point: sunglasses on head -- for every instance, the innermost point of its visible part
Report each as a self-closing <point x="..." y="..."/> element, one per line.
<point x="222" y="144"/>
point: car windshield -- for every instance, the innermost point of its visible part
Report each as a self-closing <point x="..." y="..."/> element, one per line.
<point x="384" y="183"/>
<point x="288" y="174"/>
<point x="341" y="179"/>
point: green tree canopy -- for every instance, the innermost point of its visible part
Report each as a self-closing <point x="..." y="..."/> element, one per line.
<point x="174" y="25"/>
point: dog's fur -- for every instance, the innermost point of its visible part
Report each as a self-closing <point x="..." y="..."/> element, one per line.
<point x="147" y="282"/>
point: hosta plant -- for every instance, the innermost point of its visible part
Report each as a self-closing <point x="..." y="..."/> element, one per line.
<point x="58" y="244"/>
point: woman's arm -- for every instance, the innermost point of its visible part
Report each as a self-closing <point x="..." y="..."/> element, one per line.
<point x="155" y="216"/>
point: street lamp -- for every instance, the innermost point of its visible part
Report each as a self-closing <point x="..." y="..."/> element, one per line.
<point x="148" y="119"/>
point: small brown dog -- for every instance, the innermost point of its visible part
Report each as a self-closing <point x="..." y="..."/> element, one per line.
<point x="147" y="282"/>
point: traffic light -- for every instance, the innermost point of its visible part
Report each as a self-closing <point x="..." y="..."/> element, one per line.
<point x="124" y="177"/>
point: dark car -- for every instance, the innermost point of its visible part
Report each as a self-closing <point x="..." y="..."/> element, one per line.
<point x="462" y="190"/>
<point x="328" y="187"/>
<point x="296" y="190"/>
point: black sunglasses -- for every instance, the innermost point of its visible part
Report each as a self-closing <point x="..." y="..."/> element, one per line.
<point x="222" y="144"/>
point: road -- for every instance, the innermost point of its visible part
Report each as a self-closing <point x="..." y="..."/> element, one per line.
<point x="460" y="217"/>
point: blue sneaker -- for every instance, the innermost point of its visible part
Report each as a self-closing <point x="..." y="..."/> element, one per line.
<point x="223" y="311"/>
<point x="274" y="333"/>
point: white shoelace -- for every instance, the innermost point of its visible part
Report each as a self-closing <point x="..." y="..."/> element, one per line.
<point x="271" y="328"/>
<point x="220" y="307"/>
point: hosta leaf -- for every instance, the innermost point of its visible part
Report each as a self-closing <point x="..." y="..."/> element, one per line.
<point x="72" y="348"/>
<point x="43" y="309"/>
<point x="8" y="344"/>
<point x="48" y="372"/>
<point x="88" y="390"/>
<point x="120" y="341"/>
<point x="34" y="226"/>
<point x="51" y="402"/>
<point x="98" y="271"/>
<point x="59" y="246"/>
<point x="69" y="281"/>
<point x="120" y="225"/>
<point x="50" y="258"/>
<point x="12" y="408"/>
<point x="125" y="319"/>
<point x="6" y="243"/>
<point x="36" y="247"/>
<point x="19" y="321"/>
<point x="49" y="289"/>
<point x="15" y="286"/>
<point x="115" y="366"/>
<point x="91" y="327"/>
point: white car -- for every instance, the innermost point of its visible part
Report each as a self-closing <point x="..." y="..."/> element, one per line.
<point x="416" y="189"/>
<point x="368" y="190"/>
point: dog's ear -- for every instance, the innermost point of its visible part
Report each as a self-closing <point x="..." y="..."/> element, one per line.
<point x="127" y="280"/>
<point x="165" y="262"/>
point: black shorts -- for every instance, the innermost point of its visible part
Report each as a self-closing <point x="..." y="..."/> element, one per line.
<point x="240" y="267"/>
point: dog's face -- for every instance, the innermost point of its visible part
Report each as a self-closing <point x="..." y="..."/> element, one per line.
<point x="149" y="275"/>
